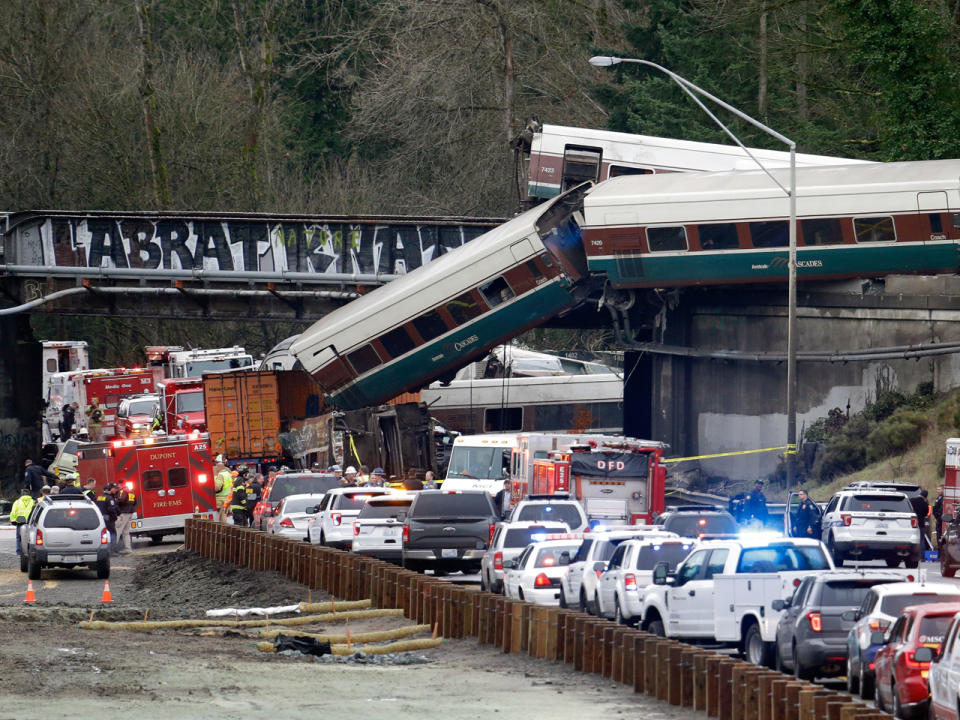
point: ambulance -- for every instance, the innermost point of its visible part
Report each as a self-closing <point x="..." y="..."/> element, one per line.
<point x="108" y="385"/>
<point x="172" y="477"/>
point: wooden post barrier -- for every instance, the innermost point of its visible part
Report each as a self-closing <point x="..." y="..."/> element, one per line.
<point x="580" y="629"/>
<point x="570" y="637"/>
<point x="713" y="686"/>
<point x="807" y="698"/>
<point x="632" y="657"/>
<point x="700" y="681"/>
<point x="552" y="649"/>
<point x="792" y="703"/>
<point x="687" y="655"/>
<point x="725" y="691"/>
<point x="674" y="672"/>
<point x="651" y="651"/>
<point x="499" y="619"/>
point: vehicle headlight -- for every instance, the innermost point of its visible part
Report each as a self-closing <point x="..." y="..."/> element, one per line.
<point x="139" y="426"/>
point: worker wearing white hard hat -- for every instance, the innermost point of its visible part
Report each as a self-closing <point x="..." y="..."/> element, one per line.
<point x="350" y="476"/>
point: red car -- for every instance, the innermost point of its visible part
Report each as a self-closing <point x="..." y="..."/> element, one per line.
<point x="903" y="661"/>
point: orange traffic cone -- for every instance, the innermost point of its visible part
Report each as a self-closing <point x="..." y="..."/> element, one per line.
<point x="106" y="592"/>
<point x="30" y="596"/>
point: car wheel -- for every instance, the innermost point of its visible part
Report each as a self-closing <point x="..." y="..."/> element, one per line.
<point x="33" y="569"/>
<point x="656" y="628"/>
<point x="853" y="681"/>
<point x="520" y="594"/>
<point x="563" y="599"/>
<point x="778" y="659"/>
<point x="912" y="562"/>
<point x="834" y="552"/>
<point x="23" y="562"/>
<point x="103" y="568"/>
<point x="947" y="571"/>
<point x="323" y="538"/>
<point x="892" y="562"/>
<point x="583" y="602"/>
<point x="800" y="672"/>
<point x="866" y="683"/>
<point x="596" y="605"/>
<point x="878" y="698"/>
<point x="897" y="706"/>
<point x="618" y="613"/>
<point x="484" y="585"/>
<point x="755" y="650"/>
<point x="156" y="539"/>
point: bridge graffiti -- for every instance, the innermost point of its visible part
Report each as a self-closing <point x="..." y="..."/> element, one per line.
<point x="236" y="244"/>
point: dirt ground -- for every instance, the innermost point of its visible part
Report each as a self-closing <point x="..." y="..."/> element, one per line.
<point x="50" y="668"/>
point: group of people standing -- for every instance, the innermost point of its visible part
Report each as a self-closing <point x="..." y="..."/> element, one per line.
<point x="95" y="418"/>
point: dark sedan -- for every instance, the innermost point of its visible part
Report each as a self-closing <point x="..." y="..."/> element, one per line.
<point x="811" y="636"/>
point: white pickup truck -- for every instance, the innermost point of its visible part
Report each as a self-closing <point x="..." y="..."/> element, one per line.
<point x="724" y="591"/>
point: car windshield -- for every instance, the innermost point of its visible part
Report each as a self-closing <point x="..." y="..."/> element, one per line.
<point x="893" y="604"/>
<point x="877" y="503"/>
<point x="384" y="508"/>
<point x="456" y="505"/>
<point x="781" y="558"/>
<point x="351" y="501"/>
<point x="540" y="512"/>
<point x="190" y="401"/>
<point x="670" y="553"/>
<point x="933" y="628"/>
<point x="141" y="407"/>
<point x="487" y="463"/>
<point x="521" y="537"/>
<point x="695" y="525"/>
<point x="300" y="504"/>
<point x="847" y="593"/>
<point x="72" y="518"/>
<point x="550" y="556"/>
<point x="301" y="485"/>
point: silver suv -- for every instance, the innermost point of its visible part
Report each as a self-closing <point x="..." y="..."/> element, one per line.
<point x="868" y="524"/>
<point x="65" y="531"/>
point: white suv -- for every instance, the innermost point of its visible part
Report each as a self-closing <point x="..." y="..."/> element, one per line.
<point x="867" y="524"/>
<point x="64" y="531"/>
<point x="578" y="588"/>
<point x="630" y="570"/>
<point x="377" y="532"/>
<point x="551" y="508"/>
<point x="944" y="678"/>
<point x="333" y="523"/>
<point x="509" y="540"/>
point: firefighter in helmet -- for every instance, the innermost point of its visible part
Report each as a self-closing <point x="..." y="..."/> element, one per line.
<point x="238" y="501"/>
<point x="223" y="484"/>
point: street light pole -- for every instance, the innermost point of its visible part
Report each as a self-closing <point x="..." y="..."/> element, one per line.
<point x="693" y="91"/>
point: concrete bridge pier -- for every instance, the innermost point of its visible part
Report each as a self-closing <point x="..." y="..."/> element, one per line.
<point x="21" y="360"/>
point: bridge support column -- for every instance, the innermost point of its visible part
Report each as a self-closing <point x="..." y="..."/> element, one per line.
<point x="20" y="403"/>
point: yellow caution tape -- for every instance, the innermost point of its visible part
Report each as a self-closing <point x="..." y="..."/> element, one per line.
<point x="790" y="450"/>
<point x="353" y="447"/>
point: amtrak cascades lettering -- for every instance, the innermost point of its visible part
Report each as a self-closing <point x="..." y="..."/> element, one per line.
<point x="240" y="245"/>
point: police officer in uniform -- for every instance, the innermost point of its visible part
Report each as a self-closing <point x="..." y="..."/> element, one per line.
<point x="805" y="519"/>
<point x="107" y="503"/>
<point x="127" y="506"/>
<point x="89" y="491"/>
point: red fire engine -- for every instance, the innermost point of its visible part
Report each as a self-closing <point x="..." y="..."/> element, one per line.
<point x="620" y="481"/>
<point x="181" y="402"/>
<point x="171" y="476"/>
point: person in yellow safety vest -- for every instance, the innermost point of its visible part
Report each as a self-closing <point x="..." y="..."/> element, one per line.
<point x="20" y="512"/>
<point x="223" y="484"/>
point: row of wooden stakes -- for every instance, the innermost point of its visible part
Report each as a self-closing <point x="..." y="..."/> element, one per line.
<point x="674" y="672"/>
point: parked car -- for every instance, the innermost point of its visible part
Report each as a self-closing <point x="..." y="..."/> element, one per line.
<point x="292" y="515"/>
<point x="535" y="575"/>
<point x="509" y="540"/>
<point x="903" y="660"/>
<point x="944" y="677"/>
<point x="377" y="530"/>
<point x="698" y="521"/>
<point x="579" y="583"/>
<point x="949" y="548"/>
<point x="332" y="524"/>
<point x="447" y="531"/>
<point x="64" y="531"/>
<point x="290" y="483"/>
<point x="630" y="569"/>
<point x="553" y="508"/>
<point x="811" y="639"/>
<point x="880" y="607"/>
<point x="869" y="524"/>
<point x="135" y="415"/>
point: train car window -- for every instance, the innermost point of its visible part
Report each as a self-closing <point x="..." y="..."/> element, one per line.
<point x="578" y="416"/>
<point x="618" y="170"/>
<point x="936" y="223"/>
<point x="874" y="229"/>
<point x="667" y="239"/>
<point x="534" y="270"/>
<point x="397" y="342"/>
<point x="503" y="419"/>
<point x="821" y="231"/>
<point x="580" y="164"/>
<point x="464" y="308"/>
<point x="496" y="292"/>
<point x="770" y="233"/>
<point x="364" y="359"/>
<point x="430" y="325"/>
<point x="722" y="236"/>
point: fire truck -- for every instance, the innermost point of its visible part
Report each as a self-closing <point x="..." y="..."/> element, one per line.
<point x="617" y="482"/>
<point x="181" y="402"/>
<point x="951" y="479"/>
<point x="109" y="386"/>
<point x="171" y="476"/>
